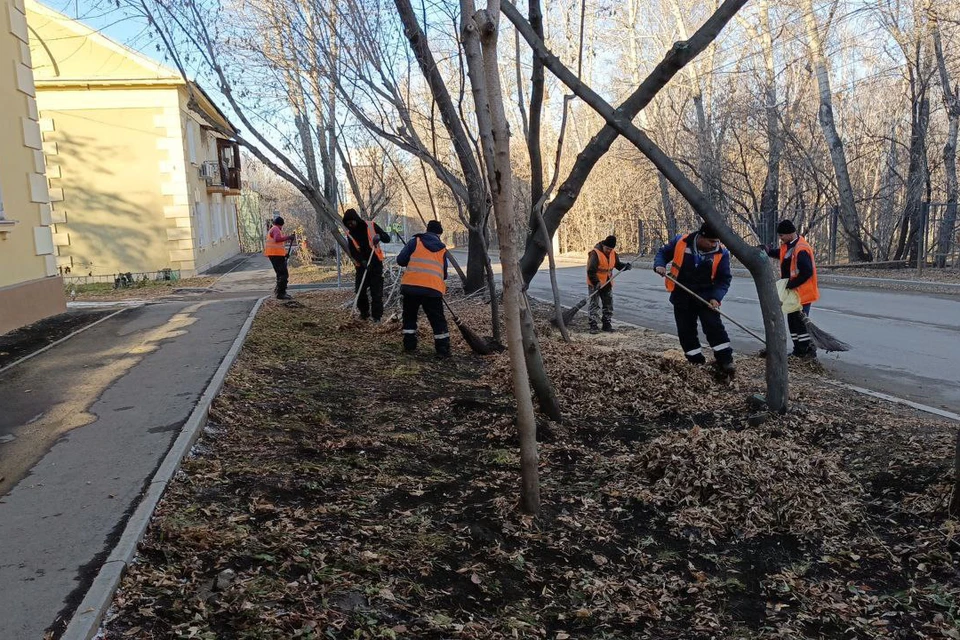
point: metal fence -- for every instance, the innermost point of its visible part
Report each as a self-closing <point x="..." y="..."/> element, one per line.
<point x="128" y="279"/>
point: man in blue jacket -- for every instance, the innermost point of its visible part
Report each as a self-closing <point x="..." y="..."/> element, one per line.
<point x="698" y="261"/>
<point x="422" y="285"/>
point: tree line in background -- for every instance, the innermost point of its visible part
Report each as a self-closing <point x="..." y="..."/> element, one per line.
<point x="589" y="113"/>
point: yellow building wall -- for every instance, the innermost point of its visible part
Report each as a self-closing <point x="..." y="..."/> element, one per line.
<point x="106" y="189"/>
<point x="213" y="215"/>
<point x="29" y="288"/>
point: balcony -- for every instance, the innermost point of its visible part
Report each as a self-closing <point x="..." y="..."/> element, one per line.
<point x="223" y="174"/>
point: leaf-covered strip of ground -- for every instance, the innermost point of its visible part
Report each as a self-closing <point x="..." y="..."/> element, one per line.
<point x="344" y="490"/>
<point x="140" y="290"/>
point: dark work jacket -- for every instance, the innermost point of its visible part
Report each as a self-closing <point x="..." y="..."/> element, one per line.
<point x="695" y="272"/>
<point x="431" y="242"/>
<point x="804" y="264"/>
<point x="359" y="233"/>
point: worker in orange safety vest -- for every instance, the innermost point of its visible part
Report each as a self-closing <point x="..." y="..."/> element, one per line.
<point x="601" y="261"/>
<point x="422" y="285"/>
<point x="799" y="268"/>
<point x="365" y="238"/>
<point x="275" y="249"/>
<point x="699" y="262"/>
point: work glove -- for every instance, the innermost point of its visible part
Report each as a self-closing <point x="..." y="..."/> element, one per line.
<point x="627" y="267"/>
<point x="661" y="270"/>
<point x="376" y="240"/>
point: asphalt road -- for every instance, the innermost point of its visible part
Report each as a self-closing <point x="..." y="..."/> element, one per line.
<point x="904" y="344"/>
<point x="83" y="428"/>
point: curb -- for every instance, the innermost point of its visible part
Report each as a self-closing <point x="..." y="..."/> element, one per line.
<point x="85" y="622"/>
<point x="63" y="339"/>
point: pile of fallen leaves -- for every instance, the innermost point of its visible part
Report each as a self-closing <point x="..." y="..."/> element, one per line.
<point x="346" y="490"/>
<point x="745" y="484"/>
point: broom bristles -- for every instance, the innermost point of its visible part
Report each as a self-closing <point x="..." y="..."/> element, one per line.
<point x="823" y="340"/>
<point x="477" y="344"/>
<point x="571" y="313"/>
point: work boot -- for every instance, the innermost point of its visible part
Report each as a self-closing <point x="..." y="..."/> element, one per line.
<point x="284" y="297"/>
<point x="593" y="328"/>
<point x="726" y="367"/>
<point x="698" y="359"/>
<point x="608" y="327"/>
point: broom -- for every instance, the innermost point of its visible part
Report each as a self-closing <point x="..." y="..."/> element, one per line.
<point x="569" y="314"/>
<point x="478" y="345"/>
<point x="790" y="303"/>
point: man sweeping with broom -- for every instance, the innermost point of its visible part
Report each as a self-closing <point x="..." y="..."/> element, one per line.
<point x="700" y="265"/>
<point x="365" y="238"/>
<point x="797" y="266"/>
<point x="601" y="262"/>
<point x="422" y="285"/>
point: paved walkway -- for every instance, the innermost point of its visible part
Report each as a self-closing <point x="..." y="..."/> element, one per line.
<point x="84" y="427"/>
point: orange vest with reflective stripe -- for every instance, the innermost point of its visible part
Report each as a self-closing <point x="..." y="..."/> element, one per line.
<point x="425" y="269"/>
<point x="273" y="247"/>
<point x="371" y="232"/>
<point x="808" y="291"/>
<point x="605" y="265"/>
<point x="679" y="250"/>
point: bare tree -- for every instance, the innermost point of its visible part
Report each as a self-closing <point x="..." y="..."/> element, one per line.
<point x="857" y="250"/>
<point x="754" y="260"/>
<point x="951" y="101"/>
<point x="480" y="35"/>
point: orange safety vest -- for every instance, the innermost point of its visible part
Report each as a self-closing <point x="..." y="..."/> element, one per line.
<point x="371" y="231"/>
<point x="425" y="268"/>
<point x="808" y="291"/>
<point x="679" y="250"/>
<point x="273" y="247"/>
<point x="605" y="265"/>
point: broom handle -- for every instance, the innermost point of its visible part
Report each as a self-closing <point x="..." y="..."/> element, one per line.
<point x="674" y="281"/>
<point x="356" y="299"/>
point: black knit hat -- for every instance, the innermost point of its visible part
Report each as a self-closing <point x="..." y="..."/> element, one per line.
<point x="610" y="241"/>
<point x="707" y="231"/>
<point x="351" y="214"/>
<point x="278" y="221"/>
<point x="786" y="226"/>
<point x="434" y="226"/>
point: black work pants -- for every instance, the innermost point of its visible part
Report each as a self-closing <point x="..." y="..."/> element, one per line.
<point x="712" y="323"/>
<point x="372" y="285"/>
<point x="283" y="275"/>
<point x="433" y="307"/>
<point x="799" y="333"/>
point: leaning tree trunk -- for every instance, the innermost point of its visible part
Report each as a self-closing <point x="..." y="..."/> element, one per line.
<point x="599" y="145"/>
<point x="755" y="260"/>
<point x="479" y="29"/>
<point x="856" y="249"/>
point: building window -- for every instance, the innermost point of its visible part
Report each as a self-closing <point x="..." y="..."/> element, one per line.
<point x="191" y="141"/>
<point x="217" y="220"/>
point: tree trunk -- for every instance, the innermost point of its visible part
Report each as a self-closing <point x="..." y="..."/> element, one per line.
<point x="951" y="100"/>
<point x="679" y="55"/>
<point x="857" y="251"/>
<point x="479" y="29"/>
<point x="669" y="213"/>
<point x="477" y="194"/>
<point x="910" y="242"/>
<point x="755" y="261"/>
<point x="543" y="388"/>
<point x="770" y="198"/>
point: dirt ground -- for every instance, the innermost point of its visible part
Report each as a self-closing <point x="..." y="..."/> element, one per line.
<point x="345" y="490"/>
<point x="26" y="340"/>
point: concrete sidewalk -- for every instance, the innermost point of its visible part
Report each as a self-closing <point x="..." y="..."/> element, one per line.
<point x="84" y="427"/>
